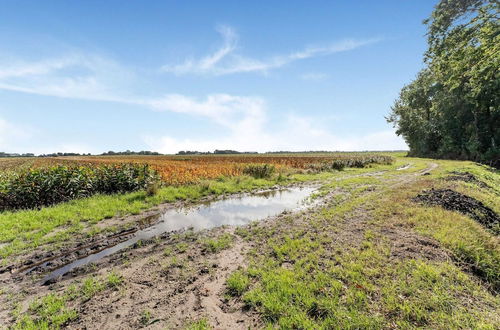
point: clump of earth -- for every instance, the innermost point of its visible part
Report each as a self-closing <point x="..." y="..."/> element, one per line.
<point x="466" y="177"/>
<point x="455" y="201"/>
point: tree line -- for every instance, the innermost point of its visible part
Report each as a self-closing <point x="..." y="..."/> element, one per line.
<point x="452" y="108"/>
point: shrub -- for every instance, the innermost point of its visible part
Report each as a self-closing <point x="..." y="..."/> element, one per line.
<point x="352" y="161"/>
<point x="259" y="171"/>
<point x="338" y="165"/>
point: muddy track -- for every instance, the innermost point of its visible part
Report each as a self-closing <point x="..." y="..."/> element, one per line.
<point x="188" y="289"/>
<point x="39" y="263"/>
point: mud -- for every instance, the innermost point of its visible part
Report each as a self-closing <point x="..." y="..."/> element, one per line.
<point x="454" y="201"/>
<point x="466" y="177"/>
<point x="82" y="247"/>
<point x="188" y="284"/>
<point x="406" y="244"/>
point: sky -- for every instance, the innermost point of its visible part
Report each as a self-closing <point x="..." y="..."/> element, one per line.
<point x="92" y="76"/>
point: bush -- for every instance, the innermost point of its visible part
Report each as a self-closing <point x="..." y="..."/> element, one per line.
<point x="34" y="188"/>
<point x="259" y="171"/>
<point x="351" y="161"/>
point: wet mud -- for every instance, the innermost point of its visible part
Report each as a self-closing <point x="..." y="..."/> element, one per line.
<point x="454" y="201"/>
<point x="466" y="177"/>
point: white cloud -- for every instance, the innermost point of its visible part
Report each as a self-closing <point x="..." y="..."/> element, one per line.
<point x="296" y="134"/>
<point x="226" y="61"/>
<point x="314" y="76"/>
<point x="243" y="119"/>
<point x="75" y="75"/>
<point x="233" y="112"/>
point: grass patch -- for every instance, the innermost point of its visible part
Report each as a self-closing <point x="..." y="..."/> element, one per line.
<point x="199" y="325"/>
<point x="300" y="277"/>
<point x="218" y="244"/>
<point x="237" y="283"/>
<point x="52" y="311"/>
<point x="114" y="280"/>
<point x="473" y="247"/>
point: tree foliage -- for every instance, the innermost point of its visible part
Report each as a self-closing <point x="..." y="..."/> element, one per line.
<point x="452" y="108"/>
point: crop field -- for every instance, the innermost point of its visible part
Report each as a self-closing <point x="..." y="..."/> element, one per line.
<point x="35" y="182"/>
<point x="176" y="170"/>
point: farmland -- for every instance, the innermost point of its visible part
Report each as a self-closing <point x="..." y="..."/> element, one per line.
<point x="377" y="248"/>
<point x="175" y="170"/>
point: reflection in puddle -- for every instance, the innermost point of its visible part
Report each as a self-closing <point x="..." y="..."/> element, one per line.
<point x="234" y="211"/>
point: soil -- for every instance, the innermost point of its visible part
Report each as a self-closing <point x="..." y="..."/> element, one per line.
<point x="455" y="201"/>
<point x="466" y="177"/>
<point x="175" y="286"/>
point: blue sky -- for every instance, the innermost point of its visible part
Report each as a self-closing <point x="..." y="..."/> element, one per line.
<point x="92" y="76"/>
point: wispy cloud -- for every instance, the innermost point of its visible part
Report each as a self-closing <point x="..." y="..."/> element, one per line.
<point x="237" y="113"/>
<point x="74" y="75"/>
<point x="297" y="133"/>
<point x="314" y="76"/>
<point x="226" y="60"/>
<point x="243" y="119"/>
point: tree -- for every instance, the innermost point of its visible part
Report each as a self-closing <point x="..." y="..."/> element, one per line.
<point x="452" y="108"/>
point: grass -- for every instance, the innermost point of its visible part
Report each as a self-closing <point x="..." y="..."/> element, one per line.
<point x="473" y="246"/>
<point x="201" y="324"/>
<point x="218" y="244"/>
<point x="337" y="267"/>
<point x="237" y="283"/>
<point x="145" y="317"/>
<point x="300" y="277"/>
<point x="25" y="230"/>
<point x="114" y="280"/>
<point x="53" y="310"/>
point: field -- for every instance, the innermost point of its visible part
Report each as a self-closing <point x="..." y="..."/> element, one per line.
<point x="175" y="170"/>
<point x="387" y="242"/>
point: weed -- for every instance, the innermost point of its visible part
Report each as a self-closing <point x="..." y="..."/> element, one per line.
<point x="114" y="280"/>
<point x="237" y="283"/>
<point x="199" y="325"/>
<point x="259" y="171"/>
<point x="222" y="242"/>
<point x="145" y="317"/>
<point x="90" y="287"/>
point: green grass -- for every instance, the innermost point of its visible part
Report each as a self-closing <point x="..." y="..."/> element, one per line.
<point x="199" y="325"/>
<point x="26" y="230"/>
<point x="237" y="283"/>
<point x="145" y="317"/>
<point x="473" y="246"/>
<point x="218" y="244"/>
<point x="114" y="280"/>
<point x="327" y="271"/>
<point x="300" y="277"/>
<point x="53" y="310"/>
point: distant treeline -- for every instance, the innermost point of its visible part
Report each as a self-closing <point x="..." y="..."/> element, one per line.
<point x="329" y="151"/>
<point x="62" y="154"/>
<point x="452" y="108"/>
<point x="128" y="152"/>
<point x="7" y="155"/>
<point x="216" y="152"/>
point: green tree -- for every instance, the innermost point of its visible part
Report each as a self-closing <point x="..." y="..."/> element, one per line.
<point x="452" y="108"/>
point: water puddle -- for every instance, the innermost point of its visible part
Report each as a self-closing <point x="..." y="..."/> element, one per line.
<point x="404" y="167"/>
<point x="236" y="211"/>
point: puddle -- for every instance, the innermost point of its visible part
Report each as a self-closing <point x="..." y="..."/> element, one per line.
<point x="236" y="211"/>
<point x="404" y="167"/>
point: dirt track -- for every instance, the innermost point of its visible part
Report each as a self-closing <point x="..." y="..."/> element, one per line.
<point x="174" y="279"/>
